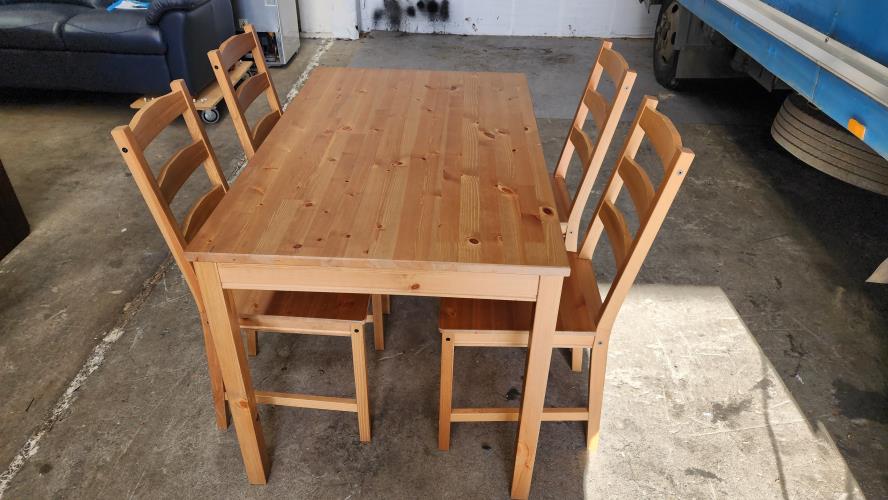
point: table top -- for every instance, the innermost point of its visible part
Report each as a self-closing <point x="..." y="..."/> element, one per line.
<point x="396" y="169"/>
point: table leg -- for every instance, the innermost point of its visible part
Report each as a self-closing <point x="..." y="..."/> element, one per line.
<point x="216" y="384"/>
<point x="539" y="355"/>
<point x="222" y="316"/>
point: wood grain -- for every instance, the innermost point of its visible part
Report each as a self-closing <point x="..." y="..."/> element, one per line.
<point x="395" y="168"/>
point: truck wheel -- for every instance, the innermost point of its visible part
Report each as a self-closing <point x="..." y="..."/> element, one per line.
<point x="665" y="55"/>
<point x="817" y="140"/>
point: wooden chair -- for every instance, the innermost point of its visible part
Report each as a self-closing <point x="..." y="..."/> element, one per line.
<point x="584" y="319"/>
<point x="591" y="153"/>
<point x="331" y="314"/>
<point x="238" y="100"/>
<point x="606" y="116"/>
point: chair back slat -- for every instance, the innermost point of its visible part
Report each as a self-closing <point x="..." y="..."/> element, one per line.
<point x="263" y="128"/>
<point x="179" y="168"/>
<point x="583" y="146"/>
<point x="597" y="106"/>
<point x="159" y="192"/>
<point x="201" y="211"/>
<point x="606" y="115"/>
<point x="613" y="63"/>
<point x="234" y="49"/>
<point x="250" y="89"/>
<point x="617" y="231"/>
<point x="246" y="94"/>
<point x="639" y="185"/>
<point x="153" y="118"/>
<point x="662" y="134"/>
<point x="651" y="203"/>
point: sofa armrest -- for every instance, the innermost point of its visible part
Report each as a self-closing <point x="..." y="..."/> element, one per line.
<point x="190" y="34"/>
<point x="158" y="8"/>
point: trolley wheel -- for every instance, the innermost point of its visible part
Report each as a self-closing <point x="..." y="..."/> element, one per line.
<point x="665" y="55"/>
<point x="210" y="115"/>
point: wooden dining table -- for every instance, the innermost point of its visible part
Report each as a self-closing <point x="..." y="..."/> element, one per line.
<point x="398" y="182"/>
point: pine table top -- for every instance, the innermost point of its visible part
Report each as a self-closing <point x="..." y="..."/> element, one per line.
<point x="399" y="169"/>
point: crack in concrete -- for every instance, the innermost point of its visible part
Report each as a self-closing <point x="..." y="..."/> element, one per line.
<point x="93" y="362"/>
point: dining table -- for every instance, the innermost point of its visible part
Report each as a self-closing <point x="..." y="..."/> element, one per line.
<point x="398" y="182"/>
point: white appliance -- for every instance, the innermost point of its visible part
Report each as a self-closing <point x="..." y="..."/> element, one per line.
<point x="277" y="24"/>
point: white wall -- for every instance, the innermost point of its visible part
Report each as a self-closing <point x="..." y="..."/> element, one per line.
<point x="599" y="18"/>
<point x="329" y="18"/>
<point x="345" y="18"/>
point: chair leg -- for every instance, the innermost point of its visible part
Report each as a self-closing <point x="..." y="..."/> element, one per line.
<point x="576" y="359"/>
<point x="445" y="403"/>
<point x="252" y="342"/>
<point x="219" y="408"/>
<point x="387" y="304"/>
<point x="362" y="395"/>
<point x="597" y="367"/>
<point x="378" y="319"/>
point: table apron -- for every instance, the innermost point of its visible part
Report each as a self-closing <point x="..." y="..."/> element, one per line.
<point x="480" y="285"/>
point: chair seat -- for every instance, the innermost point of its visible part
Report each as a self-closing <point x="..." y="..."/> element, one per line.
<point x="308" y="312"/>
<point x="580" y="303"/>
<point x="562" y="201"/>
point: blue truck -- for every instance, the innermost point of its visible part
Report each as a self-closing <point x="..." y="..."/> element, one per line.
<point x="832" y="53"/>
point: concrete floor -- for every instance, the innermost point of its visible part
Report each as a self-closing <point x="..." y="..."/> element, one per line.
<point x="749" y="363"/>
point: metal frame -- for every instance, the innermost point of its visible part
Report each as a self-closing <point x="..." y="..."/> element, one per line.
<point x="843" y="89"/>
<point x="863" y="73"/>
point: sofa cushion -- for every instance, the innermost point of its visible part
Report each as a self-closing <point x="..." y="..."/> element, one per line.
<point x="35" y="25"/>
<point x="94" y="4"/>
<point x="117" y="32"/>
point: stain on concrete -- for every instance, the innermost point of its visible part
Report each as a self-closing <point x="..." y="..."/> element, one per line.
<point x="857" y="403"/>
<point x="44" y="469"/>
<point x="724" y="412"/>
<point x="513" y="394"/>
<point x="693" y="471"/>
<point x="796" y="350"/>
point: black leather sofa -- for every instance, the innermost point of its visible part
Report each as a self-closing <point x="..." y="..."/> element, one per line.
<point x="79" y="45"/>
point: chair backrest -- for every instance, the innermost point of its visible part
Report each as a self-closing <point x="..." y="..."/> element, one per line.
<point x="238" y="100"/>
<point x="651" y="202"/>
<point x="606" y="115"/>
<point x="133" y="139"/>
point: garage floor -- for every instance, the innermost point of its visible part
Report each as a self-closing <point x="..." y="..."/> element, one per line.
<point x="750" y="362"/>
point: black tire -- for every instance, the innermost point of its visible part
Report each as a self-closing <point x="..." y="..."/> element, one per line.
<point x="814" y="138"/>
<point x="665" y="57"/>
